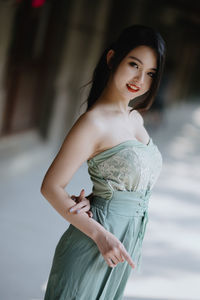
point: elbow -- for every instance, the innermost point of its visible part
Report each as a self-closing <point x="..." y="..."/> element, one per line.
<point x="43" y="189"/>
<point x="47" y="189"/>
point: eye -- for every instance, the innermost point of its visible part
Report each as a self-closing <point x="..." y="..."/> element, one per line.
<point x="133" y="64"/>
<point x="152" y="74"/>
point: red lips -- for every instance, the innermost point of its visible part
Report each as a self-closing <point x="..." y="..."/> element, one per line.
<point x="133" y="88"/>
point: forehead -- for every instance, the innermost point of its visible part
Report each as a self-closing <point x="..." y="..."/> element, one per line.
<point x="146" y="54"/>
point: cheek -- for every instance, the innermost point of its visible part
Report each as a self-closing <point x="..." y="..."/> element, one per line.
<point x="124" y="75"/>
<point x="146" y="86"/>
<point x="119" y="80"/>
<point x="148" y="83"/>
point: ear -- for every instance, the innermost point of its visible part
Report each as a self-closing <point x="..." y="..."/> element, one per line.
<point x="109" y="57"/>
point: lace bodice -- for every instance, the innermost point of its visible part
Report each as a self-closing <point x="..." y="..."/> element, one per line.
<point x="128" y="166"/>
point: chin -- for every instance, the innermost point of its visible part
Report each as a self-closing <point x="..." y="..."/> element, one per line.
<point x="134" y="96"/>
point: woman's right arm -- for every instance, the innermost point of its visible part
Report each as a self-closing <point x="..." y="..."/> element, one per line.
<point x="78" y="146"/>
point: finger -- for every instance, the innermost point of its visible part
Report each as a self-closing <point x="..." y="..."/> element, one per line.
<point x="82" y="209"/>
<point x="81" y="204"/>
<point x="86" y="201"/>
<point x="82" y="193"/>
<point x="128" y="258"/>
<point x="110" y="263"/>
<point x="90" y="214"/>
<point x="119" y="256"/>
<point x="122" y="258"/>
<point x="79" y="208"/>
<point x="78" y="199"/>
<point x="75" y="209"/>
<point x="81" y="196"/>
<point x="71" y="209"/>
<point x="73" y="197"/>
<point x="115" y="260"/>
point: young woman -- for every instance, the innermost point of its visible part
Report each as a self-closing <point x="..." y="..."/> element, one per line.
<point x="94" y="256"/>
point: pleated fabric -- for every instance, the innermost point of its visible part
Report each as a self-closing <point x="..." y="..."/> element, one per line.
<point x="79" y="271"/>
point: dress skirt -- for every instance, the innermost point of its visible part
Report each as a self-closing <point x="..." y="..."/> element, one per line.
<point x="79" y="271"/>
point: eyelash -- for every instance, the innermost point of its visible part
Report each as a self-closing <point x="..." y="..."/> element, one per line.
<point x="153" y="75"/>
<point x="134" y="64"/>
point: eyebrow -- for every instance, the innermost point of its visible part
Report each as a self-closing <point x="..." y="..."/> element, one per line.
<point x="140" y="61"/>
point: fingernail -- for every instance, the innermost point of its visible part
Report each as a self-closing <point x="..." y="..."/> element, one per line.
<point x="71" y="209"/>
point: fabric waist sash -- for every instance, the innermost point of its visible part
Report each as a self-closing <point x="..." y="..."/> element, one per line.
<point x="124" y="202"/>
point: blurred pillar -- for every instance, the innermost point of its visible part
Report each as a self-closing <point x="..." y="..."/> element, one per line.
<point x="7" y="12"/>
<point x="83" y="45"/>
<point x="185" y="68"/>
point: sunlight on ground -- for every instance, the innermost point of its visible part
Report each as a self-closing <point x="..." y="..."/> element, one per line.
<point x="159" y="288"/>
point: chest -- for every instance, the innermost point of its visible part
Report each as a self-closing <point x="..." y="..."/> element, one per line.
<point x="117" y="131"/>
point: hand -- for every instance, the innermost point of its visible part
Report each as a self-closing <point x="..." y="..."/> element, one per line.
<point x="83" y="204"/>
<point x="112" y="249"/>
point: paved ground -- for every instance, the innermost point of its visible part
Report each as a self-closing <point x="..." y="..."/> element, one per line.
<point x="30" y="228"/>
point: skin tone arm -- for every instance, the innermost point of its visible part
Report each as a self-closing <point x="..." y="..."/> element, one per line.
<point x="80" y="143"/>
<point x="75" y="150"/>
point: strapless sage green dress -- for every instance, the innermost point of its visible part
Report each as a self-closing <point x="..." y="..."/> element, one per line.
<point x="123" y="177"/>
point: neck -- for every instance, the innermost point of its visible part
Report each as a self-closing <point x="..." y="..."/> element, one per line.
<point x="114" y="100"/>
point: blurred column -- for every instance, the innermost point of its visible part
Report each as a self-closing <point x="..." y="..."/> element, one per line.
<point x="83" y="45"/>
<point x="7" y="12"/>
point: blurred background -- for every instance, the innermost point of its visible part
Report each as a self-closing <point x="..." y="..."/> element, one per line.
<point x="48" y="50"/>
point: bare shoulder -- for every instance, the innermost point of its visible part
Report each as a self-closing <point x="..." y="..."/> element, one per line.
<point x="89" y="125"/>
<point x="89" y="118"/>
<point x="139" y="117"/>
<point x="79" y="144"/>
<point x="85" y="133"/>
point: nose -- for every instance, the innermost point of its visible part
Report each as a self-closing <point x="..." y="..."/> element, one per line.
<point x="139" y="78"/>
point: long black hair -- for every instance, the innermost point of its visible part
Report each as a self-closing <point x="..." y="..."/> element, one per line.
<point x="130" y="38"/>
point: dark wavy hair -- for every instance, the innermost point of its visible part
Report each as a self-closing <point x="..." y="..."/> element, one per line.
<point x="130" y="38"/>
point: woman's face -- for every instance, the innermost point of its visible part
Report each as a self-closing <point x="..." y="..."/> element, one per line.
<point x="134" y="75"/>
